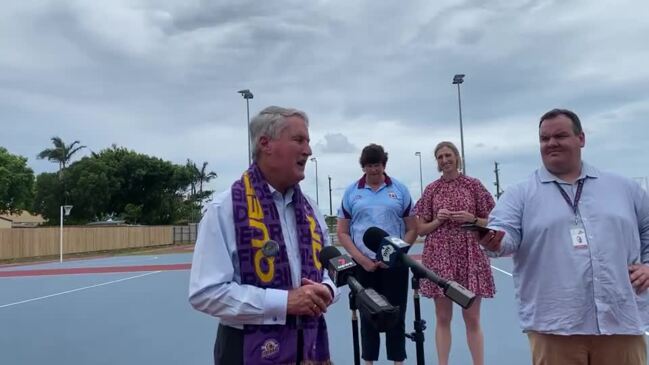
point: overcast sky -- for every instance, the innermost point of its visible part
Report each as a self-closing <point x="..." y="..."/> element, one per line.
<point x="160" y="77"/>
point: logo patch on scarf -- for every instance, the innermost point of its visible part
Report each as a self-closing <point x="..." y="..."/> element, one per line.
<point x="269" y="348"/>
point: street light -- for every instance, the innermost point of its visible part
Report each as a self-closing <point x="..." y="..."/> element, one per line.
<point x="421" y="180"/>
<point x="65" y="210"/>
<point x="331" y="210"/>
<point x="457" y="80"/>
<point x="247" y="95"/>
<point x="317" y="199"/>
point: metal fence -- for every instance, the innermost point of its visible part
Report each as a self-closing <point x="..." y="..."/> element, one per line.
<point x="185" y="234"/>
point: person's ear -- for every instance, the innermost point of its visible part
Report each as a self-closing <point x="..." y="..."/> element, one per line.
<point x="265" y="144"/>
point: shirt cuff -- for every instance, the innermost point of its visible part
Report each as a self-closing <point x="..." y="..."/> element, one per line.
<point x="332" y="289"/>
<point x="275" y="304"/>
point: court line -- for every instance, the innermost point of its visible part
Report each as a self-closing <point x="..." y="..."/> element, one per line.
<point x="501" y="270"/>
<point x="78" y="289"/>
<point x="507" y="273"/>
<point x="94" y="270"/>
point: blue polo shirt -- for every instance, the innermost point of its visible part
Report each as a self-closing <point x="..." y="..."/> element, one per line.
<point x="384" y="208"/>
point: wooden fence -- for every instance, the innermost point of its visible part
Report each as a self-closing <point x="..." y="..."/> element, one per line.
<point x="32" y="242"/>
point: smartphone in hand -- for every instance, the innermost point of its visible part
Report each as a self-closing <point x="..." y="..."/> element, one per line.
<point x="474" y="227"/>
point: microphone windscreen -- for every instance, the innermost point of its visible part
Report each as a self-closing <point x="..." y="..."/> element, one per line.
<point x="327" y="254"/>
<point x="372" y="238"/>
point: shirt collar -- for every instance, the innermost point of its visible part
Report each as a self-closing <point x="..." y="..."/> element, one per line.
<point x="288" y="196"/>
<point x="363" y="181"/>
<point x="586" y="171"/>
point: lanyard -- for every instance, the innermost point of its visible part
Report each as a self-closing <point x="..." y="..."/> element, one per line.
<point x="571" y="204"/>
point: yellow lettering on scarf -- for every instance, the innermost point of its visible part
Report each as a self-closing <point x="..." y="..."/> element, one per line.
<point x="254" y="208"/>
<point x="256" y="220"/>
<point x="316" y="242"/>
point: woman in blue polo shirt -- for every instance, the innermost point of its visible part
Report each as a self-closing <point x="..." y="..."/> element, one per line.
<point x="379" y="200"/>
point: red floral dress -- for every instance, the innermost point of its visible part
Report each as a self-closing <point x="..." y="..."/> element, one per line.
<point x="450" y="251"/>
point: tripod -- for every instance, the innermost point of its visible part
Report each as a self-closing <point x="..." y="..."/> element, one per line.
<point x="420" y="325"/>
<point x="353" y="307"/>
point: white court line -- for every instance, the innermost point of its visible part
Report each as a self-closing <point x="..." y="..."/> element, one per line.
<point x="507" y="273"/>
<point x="78" y="289"/>
<point x="501" y="270"/>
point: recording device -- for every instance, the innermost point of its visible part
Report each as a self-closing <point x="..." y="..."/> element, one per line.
<point x="390" y="251"/>
<point x="372" y="305"/>
<point x="476" y="228"/>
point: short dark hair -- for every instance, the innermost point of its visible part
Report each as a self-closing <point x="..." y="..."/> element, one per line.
<point x="373" y="153"/>
<point x="576" y="123"/>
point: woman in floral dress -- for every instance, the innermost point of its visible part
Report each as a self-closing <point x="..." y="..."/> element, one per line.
<point x="453" y="253"/>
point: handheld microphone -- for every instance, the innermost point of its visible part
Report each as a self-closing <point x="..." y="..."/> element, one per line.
<point x="372" y="305"/>
<point x="390" y="251"/>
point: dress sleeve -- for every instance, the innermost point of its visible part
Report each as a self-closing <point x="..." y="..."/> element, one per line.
<point x="424" y="206"/>
<point x="484" y="202"/>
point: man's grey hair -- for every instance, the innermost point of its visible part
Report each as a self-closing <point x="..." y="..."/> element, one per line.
<point x="270" y="122"/>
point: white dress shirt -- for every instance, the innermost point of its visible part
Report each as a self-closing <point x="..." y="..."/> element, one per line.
<point x="215" y="282"/>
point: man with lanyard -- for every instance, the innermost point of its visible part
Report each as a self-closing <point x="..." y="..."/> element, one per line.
<point x="580" y="244"/>
<point x="256" y="265"/>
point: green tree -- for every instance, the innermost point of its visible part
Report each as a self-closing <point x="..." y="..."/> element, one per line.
<point x="196" y="194"/>
<point x="61" y="153"/>
<point x="199" y="176"/>
<point x="48" y="196"/>
<point x="16" y="183"/>
<point x="135" y="186"/>
<point x="204" y="176"/>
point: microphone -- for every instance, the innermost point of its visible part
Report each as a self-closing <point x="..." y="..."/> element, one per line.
<point x="372" y="305"/>
<point x="390" y="250"/>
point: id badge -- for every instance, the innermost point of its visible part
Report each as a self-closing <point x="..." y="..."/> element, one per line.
<point x="578" y="235"/>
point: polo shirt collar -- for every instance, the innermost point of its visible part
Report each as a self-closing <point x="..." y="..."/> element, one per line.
<point x="363" y="181"/>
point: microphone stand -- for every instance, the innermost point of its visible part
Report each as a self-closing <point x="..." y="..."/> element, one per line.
<point x="353" y="307"/>
<point x="420" y="325"/>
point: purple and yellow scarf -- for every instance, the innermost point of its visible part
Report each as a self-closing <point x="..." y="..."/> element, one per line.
<point x="256" y="222"/>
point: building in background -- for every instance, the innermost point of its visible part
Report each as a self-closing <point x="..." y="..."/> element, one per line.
<point x="22" y="220"/>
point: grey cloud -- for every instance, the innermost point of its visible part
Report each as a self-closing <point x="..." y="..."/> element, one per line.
<point x="335" y="143"/>
<point x="109" y="72"/>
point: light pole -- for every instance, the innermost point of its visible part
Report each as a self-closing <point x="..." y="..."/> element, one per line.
<point x="331" y="210"/>
<point x="65" y="210"/>
<point x="421" y="180"/>
<point x="247" y="95"/>
<point x="457" y="80"/>
<point x="317" y="199"/>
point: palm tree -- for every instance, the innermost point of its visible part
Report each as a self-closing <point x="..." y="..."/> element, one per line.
<point x="199" y="177"/>
<point x="193" y="171"/>
<point x="204" y="176"/>
<point x="61" y="153"/>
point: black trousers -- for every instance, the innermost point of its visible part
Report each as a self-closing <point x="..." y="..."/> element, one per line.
<point x="393" y="285"/>
<point x="228" y="347"/>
